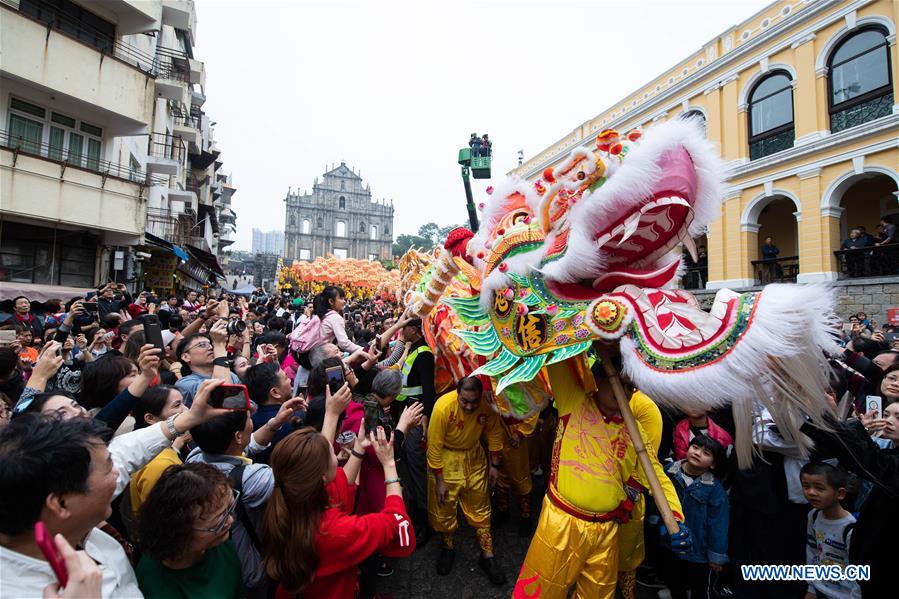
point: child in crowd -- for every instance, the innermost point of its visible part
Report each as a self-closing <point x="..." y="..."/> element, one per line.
<point x="699" y="423"/>
<point x="706" y="511"/>
<point x="829" y="528"/>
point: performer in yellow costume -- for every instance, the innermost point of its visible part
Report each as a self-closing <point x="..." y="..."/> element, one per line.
<point x="593" y="484"/>
<point x="458" y="471"/>
<point x="515" y="474"/>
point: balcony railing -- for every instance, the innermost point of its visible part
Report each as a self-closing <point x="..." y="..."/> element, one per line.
<point x="187" y="120"/>
<point x="54" y="17"/>
<point x="162" y="145"/>
<point x="174" y="228"/>
<point x="62" y="156"/>
<point x="172" y="68"/>
<point x="780" y="270"/>
<point x="695" y="277"/>
<point x="878" y="261"/>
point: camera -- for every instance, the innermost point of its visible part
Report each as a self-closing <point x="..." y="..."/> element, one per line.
<point x="236" y="327"/>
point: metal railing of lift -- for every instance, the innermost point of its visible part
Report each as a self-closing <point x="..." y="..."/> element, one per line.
<point x="76" y="159"/>
<point x="162" y="145"/>
<point x="52" y="17"/>
<point x="874" y="261"/>
<point x="779" y="270"/>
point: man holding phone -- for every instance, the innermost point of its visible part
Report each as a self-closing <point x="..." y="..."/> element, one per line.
<point x="108" y="301"/>
<point x="204" y="357"/>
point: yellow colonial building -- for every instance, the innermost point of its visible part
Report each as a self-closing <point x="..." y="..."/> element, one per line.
<point x="801" y="98"/>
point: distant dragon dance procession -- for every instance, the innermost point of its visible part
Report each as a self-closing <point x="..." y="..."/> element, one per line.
<point x="579" y="270"/>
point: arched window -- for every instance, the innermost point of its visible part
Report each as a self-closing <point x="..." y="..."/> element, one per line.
<point x="374" y="232"/>
<point x="362" y="227"/>
<point x="341" y="229"/>
<point x="306" y="226"/>
<point x="293" y="220"/>
<point x="341" y="203"/>
<point x="771" y="115"/>
<point x="319" y="223"/>
<point x="859" y="79"/>
<point x="696" y="115"/>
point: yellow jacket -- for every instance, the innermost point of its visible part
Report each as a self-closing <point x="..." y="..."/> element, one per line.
<point x="593" y="456"/>
<point x="451" y="428"/>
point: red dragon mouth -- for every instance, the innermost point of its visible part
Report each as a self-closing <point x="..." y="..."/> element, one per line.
<point x="635" y="248"/>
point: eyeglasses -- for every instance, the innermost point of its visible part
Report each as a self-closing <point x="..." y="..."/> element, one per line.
<point x="223" y="523"/>
<point x="201" y="345"/>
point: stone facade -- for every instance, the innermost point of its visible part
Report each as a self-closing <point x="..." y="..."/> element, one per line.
<point x="872" y="296"/>
<point x="338" y="217"/>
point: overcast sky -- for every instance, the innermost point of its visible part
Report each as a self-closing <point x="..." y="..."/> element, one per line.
<point x="395" y="88"/>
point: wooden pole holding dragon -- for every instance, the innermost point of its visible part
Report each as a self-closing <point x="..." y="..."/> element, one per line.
<point x="655" y="487"/>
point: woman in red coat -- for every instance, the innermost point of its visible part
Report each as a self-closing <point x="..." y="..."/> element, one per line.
<point x="312" y="544"/>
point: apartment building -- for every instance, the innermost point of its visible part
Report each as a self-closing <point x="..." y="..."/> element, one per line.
<point x="801" y="98"/>
<point x="109" y="167"/>
<point x="268" y="242"/>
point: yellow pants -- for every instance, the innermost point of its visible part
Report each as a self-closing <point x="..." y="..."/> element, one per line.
<point x="630" y="539"/>
<point x="568" y="551"/>
<point x="516" y="471"/>
<point x="465" y="475"/>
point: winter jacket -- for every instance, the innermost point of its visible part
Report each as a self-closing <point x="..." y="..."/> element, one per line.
<point x="706" y="513"/>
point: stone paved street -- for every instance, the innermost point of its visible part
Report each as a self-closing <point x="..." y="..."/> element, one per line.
<point x="416" y="578"/>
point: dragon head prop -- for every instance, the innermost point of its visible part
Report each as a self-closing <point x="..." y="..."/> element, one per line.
<point x="591" y="252"/>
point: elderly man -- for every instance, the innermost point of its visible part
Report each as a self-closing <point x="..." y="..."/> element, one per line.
<point x="458" y="471"/>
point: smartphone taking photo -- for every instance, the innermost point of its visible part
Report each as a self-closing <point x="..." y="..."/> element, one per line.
<point x="335" y="378"/>
<point x="45" y="543"/>
<point x="153" y="332"/>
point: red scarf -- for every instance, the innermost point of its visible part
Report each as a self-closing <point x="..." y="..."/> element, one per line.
<point x="27" y="319"/>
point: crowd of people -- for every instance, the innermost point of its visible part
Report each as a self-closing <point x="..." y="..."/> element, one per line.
<point x="338" y="458"/>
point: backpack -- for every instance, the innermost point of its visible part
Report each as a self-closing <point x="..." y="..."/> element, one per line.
<point x="251" y="578"/>
<point x="305" y="337"/>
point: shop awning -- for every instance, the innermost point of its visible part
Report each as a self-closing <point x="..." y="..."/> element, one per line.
<point x="167" y="245"/>
<point x="40" y="293"/>
<point x="207" y="259"/>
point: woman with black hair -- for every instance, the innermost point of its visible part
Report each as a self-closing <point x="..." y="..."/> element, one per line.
<point x="183" y="530"/>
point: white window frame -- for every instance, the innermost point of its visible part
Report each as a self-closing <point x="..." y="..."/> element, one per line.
<point x="305" y="254"/>
<point x="373" y="233"/>
<point x="306" y="228"/>
<point x="47" y="123"/>
<point x="337" y="228"/>
<point x="341" y="253"/>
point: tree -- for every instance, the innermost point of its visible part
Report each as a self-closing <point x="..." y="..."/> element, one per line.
<point x="404" y="242"/>
<point x="430" y="231"/>
<point x="430" y="235"/>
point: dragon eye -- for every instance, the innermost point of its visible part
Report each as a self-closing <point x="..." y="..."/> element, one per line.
<point x="581" y="176"/>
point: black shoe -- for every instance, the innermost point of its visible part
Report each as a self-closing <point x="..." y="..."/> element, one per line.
<point x="422" y="535"/>
<point x="491" y="568"/>
<point x="525" y="527"/>
<point x="498" y="518"/>
<point x="385" y="570"/>
<point x="445" y="561"/>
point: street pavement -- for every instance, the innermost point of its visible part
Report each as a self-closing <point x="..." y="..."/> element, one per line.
<point x="416" y="578"/>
